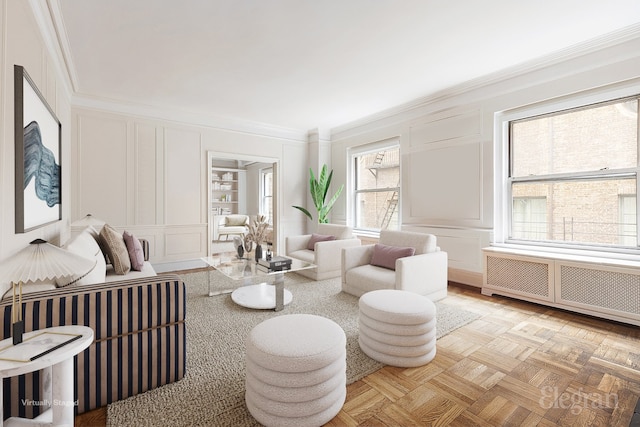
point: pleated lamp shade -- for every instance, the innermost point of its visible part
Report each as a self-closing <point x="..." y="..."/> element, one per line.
<point x="43" y="261"/>
<point x="39" y="261"/>
<point x="88" y="220"/>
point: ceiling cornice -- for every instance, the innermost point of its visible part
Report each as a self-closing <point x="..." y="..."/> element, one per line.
<point x="43" y="16"/>
<point x="49" y="19"/>
<point x="189" y="118"/>
<point x="60" y="34"/>
<point x="614" y="38"/>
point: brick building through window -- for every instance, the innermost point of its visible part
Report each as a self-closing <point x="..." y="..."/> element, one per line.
<point x="573" y="175"/>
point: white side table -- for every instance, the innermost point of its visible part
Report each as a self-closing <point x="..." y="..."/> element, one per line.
<point x="58" y="366"/>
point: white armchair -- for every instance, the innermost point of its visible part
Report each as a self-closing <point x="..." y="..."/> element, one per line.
<point x="424" y="273"/>
<point x="225" y="225"/>
<point x="325" y="254"/>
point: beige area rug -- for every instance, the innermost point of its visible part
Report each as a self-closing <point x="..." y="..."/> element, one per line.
<point x="212" y="391"/>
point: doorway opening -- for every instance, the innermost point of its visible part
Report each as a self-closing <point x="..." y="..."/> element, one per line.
<point x="241" y="185"/>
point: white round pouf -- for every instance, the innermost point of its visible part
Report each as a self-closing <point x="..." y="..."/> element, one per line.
<point x="397" y="328"/>
<point x="296" y="370"/>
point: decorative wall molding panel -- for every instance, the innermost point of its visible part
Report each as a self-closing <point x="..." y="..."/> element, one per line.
<point x="464" y="249"/>
<point x="447" y="126"/>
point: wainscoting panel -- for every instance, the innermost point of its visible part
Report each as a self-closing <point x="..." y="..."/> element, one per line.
<point x="152" y="238"/>
<point x="185" y="243"/>
<point x="145" y="173"/>
<point x="463" y="248"/>
<point x="183" y="177"/>
<point x="103" y="145"/>
<point x="178" y="244"/>
<point x="172" y="243"/>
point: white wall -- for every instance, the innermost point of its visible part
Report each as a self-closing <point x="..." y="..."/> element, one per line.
<point x="21" y="43"/>
<point x="253" y="187"/>
<point x="447" y="143"/>
<point x="149" y="176"/>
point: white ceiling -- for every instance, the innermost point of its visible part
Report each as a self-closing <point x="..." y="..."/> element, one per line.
<point x="305" y="64"/>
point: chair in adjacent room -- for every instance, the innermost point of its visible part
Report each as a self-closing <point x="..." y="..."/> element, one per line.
<point x="229" y="225"/>
<point x="402" y="260"/>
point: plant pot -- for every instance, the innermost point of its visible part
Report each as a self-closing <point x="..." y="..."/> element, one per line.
<point x="258" y="253"/>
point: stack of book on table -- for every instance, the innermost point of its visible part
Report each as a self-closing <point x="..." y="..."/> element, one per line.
<point x="276" y="263"/>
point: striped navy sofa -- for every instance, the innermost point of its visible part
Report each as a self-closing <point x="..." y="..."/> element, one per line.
<point x="140" y="339"/>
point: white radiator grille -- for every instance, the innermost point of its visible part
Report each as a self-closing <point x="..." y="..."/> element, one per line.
<point x="518" y="275"/>
<point x="608" y="289"/>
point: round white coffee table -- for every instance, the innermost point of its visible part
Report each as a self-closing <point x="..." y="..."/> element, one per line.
<point x="261" y="296"/>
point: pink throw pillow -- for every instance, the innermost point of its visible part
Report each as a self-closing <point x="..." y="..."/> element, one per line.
<point x="315" y="238"/>
<point x="134" y="247"/>
<point x="386" y="256"/>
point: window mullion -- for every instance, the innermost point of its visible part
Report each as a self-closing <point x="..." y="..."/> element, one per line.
<point x="604" y="174"/>
<point x="377" y="190"/>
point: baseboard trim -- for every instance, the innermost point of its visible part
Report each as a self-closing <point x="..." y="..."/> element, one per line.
<point x="465" y="277"/>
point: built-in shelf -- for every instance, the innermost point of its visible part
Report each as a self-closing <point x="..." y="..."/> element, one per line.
<point x="227" y="193"/>
<point x="225" y="189"/>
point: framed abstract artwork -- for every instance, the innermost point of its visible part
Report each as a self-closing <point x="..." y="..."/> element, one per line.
<point x="38" y="145"/>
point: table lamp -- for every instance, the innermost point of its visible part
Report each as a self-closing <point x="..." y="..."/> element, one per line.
<point x="86" y="221"/>
<point x="39" y="261"/>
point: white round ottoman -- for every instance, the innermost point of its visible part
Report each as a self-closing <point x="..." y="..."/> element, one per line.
<point x="397" y="328"/>
<point x="296" y="370"/>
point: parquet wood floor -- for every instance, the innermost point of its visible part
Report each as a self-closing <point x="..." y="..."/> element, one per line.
<point x="520" y="364"/>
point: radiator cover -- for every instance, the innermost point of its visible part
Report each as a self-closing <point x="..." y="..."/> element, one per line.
<point x="521" y="276"/>
<point x="583" y="284"/>
<point x="603" y="288"/>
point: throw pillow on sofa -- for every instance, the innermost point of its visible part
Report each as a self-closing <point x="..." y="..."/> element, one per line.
<point x="315" y="238"/>
<point x="116" y="249"/>
<point x="134" y="247"/>
<point x="386" y="256"/>
<point x="85" y="245"/>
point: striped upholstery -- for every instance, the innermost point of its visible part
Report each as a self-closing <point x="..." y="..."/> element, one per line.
<point x="140" y="339"/>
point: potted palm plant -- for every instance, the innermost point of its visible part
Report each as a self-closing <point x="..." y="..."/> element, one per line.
<point x="319" y="189"/>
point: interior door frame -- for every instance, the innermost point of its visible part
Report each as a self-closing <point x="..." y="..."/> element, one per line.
<point x="277" y="208"/>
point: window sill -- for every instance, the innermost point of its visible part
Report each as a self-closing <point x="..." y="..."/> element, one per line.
<point x="579" y="255"/>
<point x="367" y="233"/>
<point x="367" y="236"/>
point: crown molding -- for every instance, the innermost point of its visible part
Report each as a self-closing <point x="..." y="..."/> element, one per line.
<point x="48" y="17"/>
<point x="44" y="20"/>
<point x="618" y="37"/>
<point x="321" y="135"/>
<point x="60" y="33"/>
<point x="190" y="118"/>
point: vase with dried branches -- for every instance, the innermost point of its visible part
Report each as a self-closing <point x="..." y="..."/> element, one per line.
<point x="257" y="234"/>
